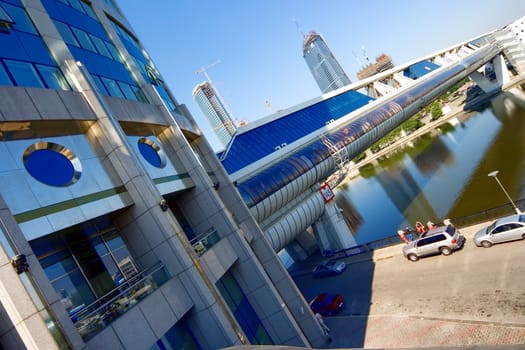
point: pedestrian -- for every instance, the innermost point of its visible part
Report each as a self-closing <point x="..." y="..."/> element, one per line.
<point x="420" y="228"/>
<point x="402" y="235"/>
<point x="325" y="329"/>
<point x="431" y="225"/>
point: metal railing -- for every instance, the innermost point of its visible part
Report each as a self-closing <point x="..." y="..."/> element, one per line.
<point x="462" y="221"/>
<point x="488" y="215"/>
<point x="94" y="317"/>
<point x="203" y="242"/>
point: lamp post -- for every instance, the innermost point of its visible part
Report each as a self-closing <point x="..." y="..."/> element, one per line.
<point x="494" y="174"/>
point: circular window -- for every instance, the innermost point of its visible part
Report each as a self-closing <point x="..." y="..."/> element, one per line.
<point x="52" y="164"/>
<point x="152" y="152"/>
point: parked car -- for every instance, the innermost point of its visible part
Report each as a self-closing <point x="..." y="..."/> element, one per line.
<point x="329" y="268"/>
<point x="506" y="229"/>
<point x="441" y="240"/>
<point x="327" y="304"/>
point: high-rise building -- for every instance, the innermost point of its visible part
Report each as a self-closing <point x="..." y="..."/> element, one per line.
<point x="215" y="112"/>
<point x="119" y="227"/>
<point x="326" y="70"/>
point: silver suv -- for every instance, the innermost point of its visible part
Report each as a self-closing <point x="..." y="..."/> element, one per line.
<point x="441" y="240"/>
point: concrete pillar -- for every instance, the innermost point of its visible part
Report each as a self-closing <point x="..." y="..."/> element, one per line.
<point x="331" y="230"/>
<point x="500" y="68"/>
<point x="482" y="81"/>
<point x="303" y="246"/>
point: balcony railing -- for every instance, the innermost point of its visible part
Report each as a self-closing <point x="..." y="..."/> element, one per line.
<point x="205" y="241"/>
<point x="96" y="316"/>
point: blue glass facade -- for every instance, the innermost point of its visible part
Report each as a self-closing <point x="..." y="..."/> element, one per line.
<point x="250" y="146"/>
<point x="24" y="57"/>
<point x="75" y="165"/>
<point x="89" y="43"/>
<point x="146" y="68"/>
<point x="243" y="310"/>
<point x="419" y="69"/>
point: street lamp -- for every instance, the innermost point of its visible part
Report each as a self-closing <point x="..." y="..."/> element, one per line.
<point x="494" y="174"/>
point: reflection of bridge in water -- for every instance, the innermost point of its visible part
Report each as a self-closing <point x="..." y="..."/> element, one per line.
<point x="280" y="164"/>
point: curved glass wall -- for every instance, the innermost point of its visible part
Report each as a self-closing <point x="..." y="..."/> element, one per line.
<point x="356" y="135"/>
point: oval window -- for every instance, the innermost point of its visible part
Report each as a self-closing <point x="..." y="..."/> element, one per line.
<point x="152" y="152"/>
<point x="52" y="164"/>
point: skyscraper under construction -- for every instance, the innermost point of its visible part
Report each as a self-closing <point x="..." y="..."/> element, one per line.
<point x="326" y="70"/>
<point x="215" y="112"/>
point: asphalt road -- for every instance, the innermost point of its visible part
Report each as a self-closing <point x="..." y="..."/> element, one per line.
<point x="473" y="285"/>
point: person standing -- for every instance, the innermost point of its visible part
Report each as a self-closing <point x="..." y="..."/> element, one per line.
<point x="324" y="327"/>
<point x="402" y="235"/>
<point x="431" y="225"/>
<point x="420" y="228"/>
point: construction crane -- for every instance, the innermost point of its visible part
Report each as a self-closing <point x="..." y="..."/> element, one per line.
<point x="269" y="106"/>
<point x="204" y="71"/>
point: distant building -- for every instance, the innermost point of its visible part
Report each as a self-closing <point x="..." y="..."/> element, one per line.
<point x="383" y="63"/>
<point x="215" y="111"/>
<point x="326" y="70"/>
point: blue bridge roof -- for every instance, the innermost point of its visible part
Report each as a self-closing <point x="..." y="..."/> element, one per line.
<point x="248" y="146"/>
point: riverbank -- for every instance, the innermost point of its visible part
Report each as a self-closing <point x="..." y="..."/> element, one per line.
<point x="453" y="110"/>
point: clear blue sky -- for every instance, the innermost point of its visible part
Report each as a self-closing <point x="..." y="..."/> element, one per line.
<point x="258" y="43"/>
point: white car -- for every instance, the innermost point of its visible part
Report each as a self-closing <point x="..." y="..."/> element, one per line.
<point x="506" y="229"/>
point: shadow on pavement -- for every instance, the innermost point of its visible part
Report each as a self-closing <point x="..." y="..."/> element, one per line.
<point x="348" y="327"/>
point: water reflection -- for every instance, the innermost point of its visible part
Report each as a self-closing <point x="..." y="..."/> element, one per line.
<point x="440" y="175"/>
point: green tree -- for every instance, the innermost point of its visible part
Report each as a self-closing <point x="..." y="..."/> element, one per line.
<point x="436" y="110"/>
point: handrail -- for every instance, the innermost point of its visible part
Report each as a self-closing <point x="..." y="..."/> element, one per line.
<point x="205" y="241"/>
<point x="462" y="221"/>
<point x="95" y="316"/>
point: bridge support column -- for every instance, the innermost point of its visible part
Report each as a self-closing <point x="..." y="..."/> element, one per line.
<point x="501" y="70"/>
<point x="303" y="246"/>
<point x="502" y="76"/>
<point x="331" y="229"/>
<point x="483" y="82"/>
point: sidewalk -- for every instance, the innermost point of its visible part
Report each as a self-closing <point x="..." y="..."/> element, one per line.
<point x="397" y="332"/>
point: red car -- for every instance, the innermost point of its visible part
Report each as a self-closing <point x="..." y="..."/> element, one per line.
<point x="327" y="304"/>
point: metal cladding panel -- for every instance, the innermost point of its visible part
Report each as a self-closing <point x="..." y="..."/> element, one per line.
<point x="299" y="219"/>
<point x="30" y="199"/>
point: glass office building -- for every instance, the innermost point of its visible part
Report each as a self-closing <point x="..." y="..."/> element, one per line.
<point x="118" y="225"/>
<point x="215" y="112"/>
<point x="326" y="70"/>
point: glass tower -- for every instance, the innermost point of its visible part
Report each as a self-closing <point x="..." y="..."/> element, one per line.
<point x="215" y="111"/>
<point x="325" y="68"/>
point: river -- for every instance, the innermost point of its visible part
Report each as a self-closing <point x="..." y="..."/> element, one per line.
<point x="442" y="174"/>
